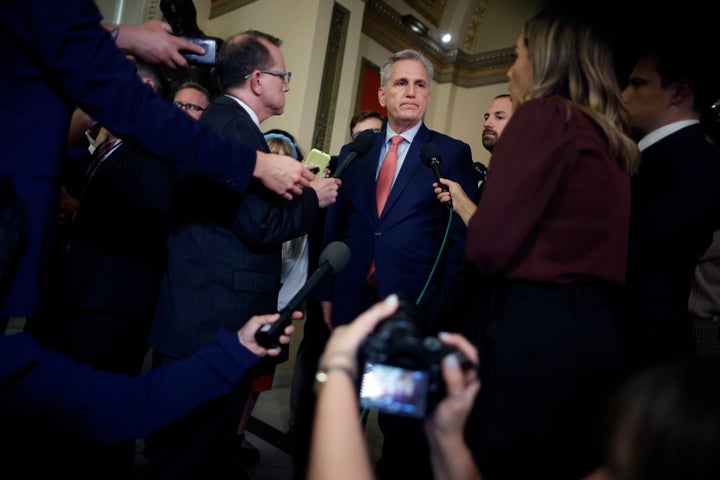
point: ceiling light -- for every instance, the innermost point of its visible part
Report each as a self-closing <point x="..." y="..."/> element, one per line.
<point x="414" y="24"/>
<point x="446" y="38"/>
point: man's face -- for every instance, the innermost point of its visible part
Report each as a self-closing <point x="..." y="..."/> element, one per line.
<point x="273" y="86"/>
<point x="645" y="98"/>
<point x="189" y="100"/>
<point x="406" y="94"/>
<point x="496" y="117"/>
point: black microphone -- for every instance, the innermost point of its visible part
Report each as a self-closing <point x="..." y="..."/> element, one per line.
<point x="359" y="147"/>
<point x="430" y="156"/>
<point x="480" y="171"/>
<point x="332" y="260"/>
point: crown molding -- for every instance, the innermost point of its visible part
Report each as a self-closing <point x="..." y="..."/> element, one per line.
<point x="385" y="25"/>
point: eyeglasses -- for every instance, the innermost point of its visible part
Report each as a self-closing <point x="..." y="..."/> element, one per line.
<point x="286" y="76"/>
<point x="374" y="130"/>
<point x="189" y="106"/>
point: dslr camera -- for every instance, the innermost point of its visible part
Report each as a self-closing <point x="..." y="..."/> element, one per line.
<point x="401" y="371"/>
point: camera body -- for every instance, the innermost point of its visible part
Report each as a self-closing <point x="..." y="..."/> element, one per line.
<point x="402" y="372"/>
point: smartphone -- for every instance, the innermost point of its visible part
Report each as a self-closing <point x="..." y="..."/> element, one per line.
<point x="209" y="44"/>
<point x="317" y="159"/>
<point x="395" y="390"/>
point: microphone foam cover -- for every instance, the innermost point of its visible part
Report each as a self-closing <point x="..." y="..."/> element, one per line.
<point x="363" y="142"/>
<point x="337" y="254"/>
<point x="428" y="152"/>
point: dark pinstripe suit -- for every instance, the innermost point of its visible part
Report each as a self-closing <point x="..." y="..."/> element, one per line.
<point x="224" y="266"/>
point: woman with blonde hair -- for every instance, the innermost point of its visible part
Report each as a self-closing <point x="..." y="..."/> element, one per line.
<point x="548" y="246"/>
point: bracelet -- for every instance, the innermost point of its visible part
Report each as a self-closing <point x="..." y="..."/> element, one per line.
<point x="322" y="374"/>
<point x="333" y="353"/>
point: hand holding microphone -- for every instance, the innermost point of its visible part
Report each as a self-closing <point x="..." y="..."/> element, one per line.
<point x="430" y="156"/>
<point x="332" y="260"/>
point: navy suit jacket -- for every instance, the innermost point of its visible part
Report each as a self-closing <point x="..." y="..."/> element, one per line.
<point x="225" y="249"/>
<point x="56" y="56"/>
<point x="406" y="240"/>
<point x="119" y="235"/>
<point x="675" y="211"/>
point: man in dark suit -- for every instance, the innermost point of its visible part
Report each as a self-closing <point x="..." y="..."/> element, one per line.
<point x="109" y="265"/>
<point x="225" y="254"/>
<point x="675" y="198"/>
<point x="396" y="250"/>
<point x="57" y="56"/>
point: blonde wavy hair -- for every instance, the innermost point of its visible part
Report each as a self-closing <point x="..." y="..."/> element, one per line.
<point x="573" y="60"/>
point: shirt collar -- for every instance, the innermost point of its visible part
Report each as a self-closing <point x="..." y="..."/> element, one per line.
<point x="408" y="135"/>
<point x="662" y="132"/>
<point x="247" y="109"/>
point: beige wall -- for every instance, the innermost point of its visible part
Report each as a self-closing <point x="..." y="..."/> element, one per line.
<point x="303" y="27"/>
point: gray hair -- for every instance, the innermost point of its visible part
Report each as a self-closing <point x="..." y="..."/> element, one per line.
<point x="405" y="55"/>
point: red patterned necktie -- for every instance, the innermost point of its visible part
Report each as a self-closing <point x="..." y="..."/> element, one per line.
<point x="384" y="182"/>
<point x="387" y="173"/>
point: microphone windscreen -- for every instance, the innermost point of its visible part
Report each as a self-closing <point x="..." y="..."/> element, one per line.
<point x="363" y="142"/>
<point x="337" y="254"/>
<point x="428" y="152"/>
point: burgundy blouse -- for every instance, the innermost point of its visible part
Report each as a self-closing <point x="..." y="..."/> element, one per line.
<point x="556" y="205"/>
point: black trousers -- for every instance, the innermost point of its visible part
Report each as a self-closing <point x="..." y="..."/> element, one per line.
<point x="200" y="444"/>
<point x="550" y="363"/>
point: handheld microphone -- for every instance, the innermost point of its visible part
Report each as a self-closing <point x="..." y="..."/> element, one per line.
<point x="480" y="171"/>
<point x="430" y="156"/>
<point x="359" y="147"/>
<point x="332" y="260"/>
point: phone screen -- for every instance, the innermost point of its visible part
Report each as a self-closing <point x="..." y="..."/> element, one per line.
<point x="393" y="389"/>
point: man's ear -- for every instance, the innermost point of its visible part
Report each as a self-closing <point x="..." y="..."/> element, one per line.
<point x="255" y="84"/>
<point x="683" y="91"/>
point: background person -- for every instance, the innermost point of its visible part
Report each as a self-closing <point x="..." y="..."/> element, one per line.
<point x="496" y="117"/>
<point x="192" y="98"/>
<point x="366" y="120"/>
<point x="675" y="194"/>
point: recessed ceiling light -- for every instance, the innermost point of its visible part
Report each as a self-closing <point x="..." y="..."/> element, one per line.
<point x="446" y="38"/>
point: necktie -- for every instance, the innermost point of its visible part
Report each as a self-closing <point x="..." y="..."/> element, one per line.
<point x="382" y="187"/>
<point x="387" y="172"/>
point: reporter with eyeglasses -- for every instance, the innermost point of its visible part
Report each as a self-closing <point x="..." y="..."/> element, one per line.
<point x="192" y="98"/>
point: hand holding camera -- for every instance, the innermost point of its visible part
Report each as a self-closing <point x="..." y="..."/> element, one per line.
<point x="402" y="372"/>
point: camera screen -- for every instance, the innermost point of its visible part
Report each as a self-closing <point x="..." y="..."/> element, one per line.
<point x="393" y="389"/>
